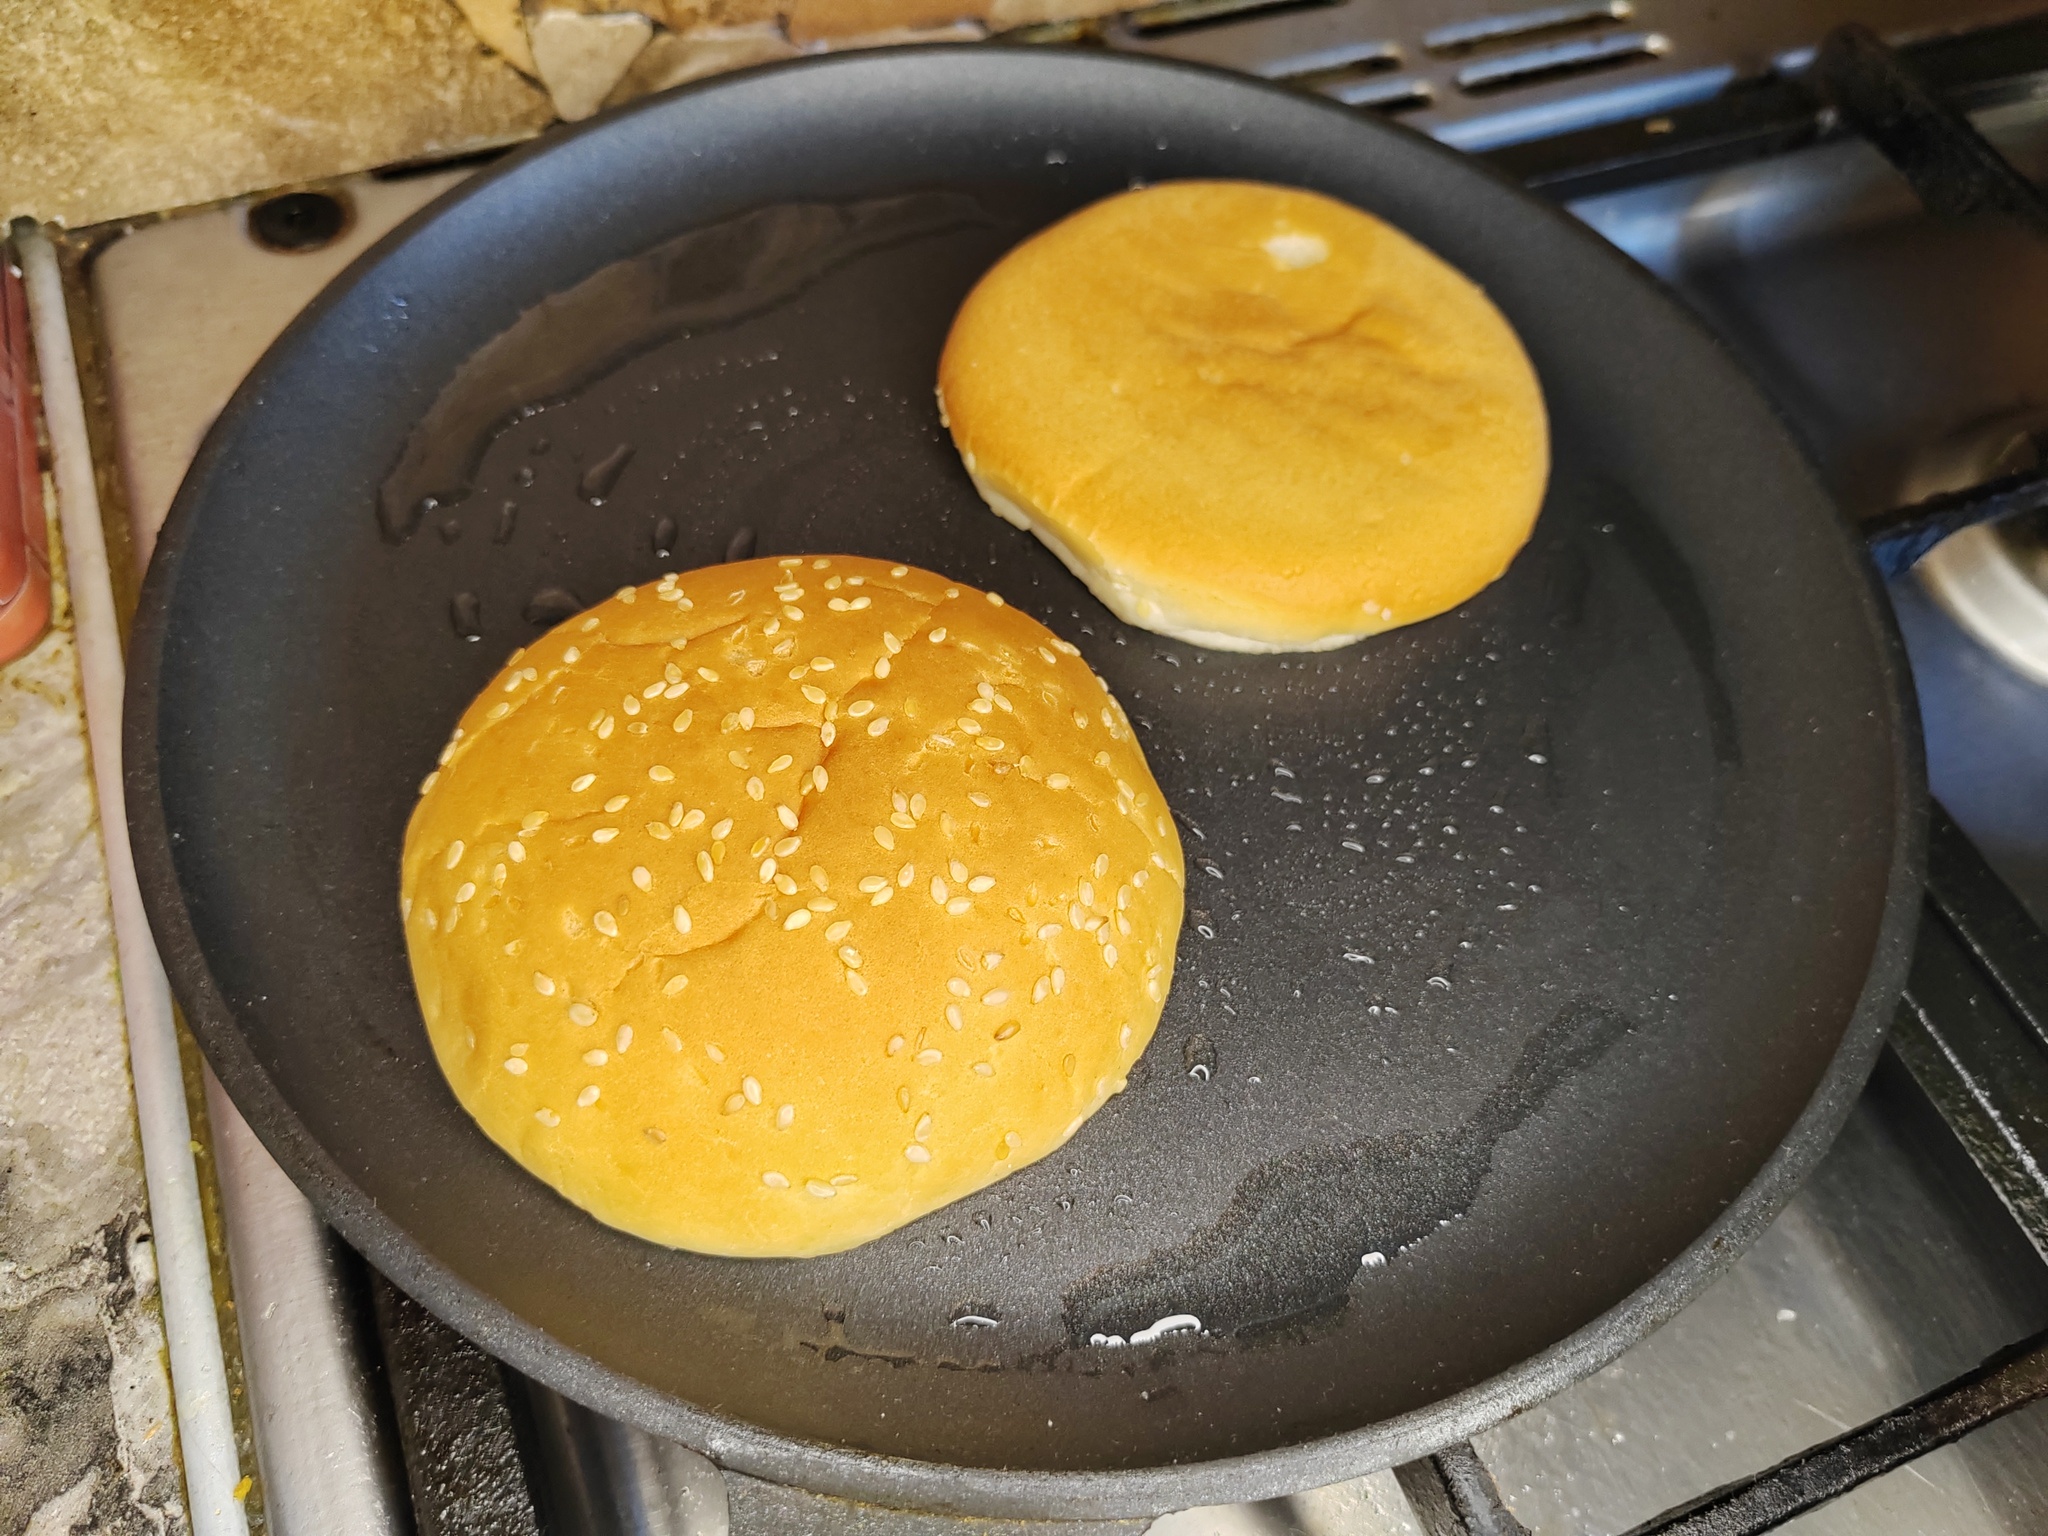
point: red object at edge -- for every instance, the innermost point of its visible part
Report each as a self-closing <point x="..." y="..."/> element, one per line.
<point x="24" y="539"/>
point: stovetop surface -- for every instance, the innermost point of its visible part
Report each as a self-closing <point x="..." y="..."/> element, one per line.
<point x="1884" y="336"/>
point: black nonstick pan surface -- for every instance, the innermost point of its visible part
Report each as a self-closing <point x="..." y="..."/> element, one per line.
<point x="1533" y="954"/>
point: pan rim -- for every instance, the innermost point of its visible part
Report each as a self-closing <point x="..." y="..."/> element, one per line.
<point x="891" y="1481"/>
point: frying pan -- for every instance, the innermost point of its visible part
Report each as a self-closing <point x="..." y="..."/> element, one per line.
<point x="1534" y="953"/>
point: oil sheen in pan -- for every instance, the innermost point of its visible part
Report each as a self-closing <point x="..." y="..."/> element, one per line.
<point x="1372" y="834"/>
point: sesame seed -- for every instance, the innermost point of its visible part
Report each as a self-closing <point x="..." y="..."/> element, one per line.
<point x="630" y="705"/>
<point x="735" y="1102"/>
<point x="682" y="721"/>
<point x="995" y="998"/>
<point x="751" y="1087"/>
<point x="516" y="851"/>
<point x="1109" y="954"/>
<point x="707" y="674"/>
<point x="582" y="782"/>
<point x="886" y="894"/>
<point x="515" y="1066"/>
<point x="544" y="984"/>
<point x="689" y="821"/>
<point x="1040" y="988"/>
<point x="954" y="1017"/>
<point x="797" y="919"/>
<point x="814" y="693"/>
<point x="886" y="838"/>
<point x="767" y="870"/>
<point x="465" y="890"/>
<point x="785" y="884"/>
<point x="938" y="889"/>
<point x="787" y="846"/>
<point x="713" y="1052"/>
<point x="869" y="884"/>
<point x="937" y="635"/>
<point x="781" y="763"/>
<point x="604" y="834"/>
<point x="970" y="727"/>
<point x="722" y="829"/>
<point x="891" y="642"/>
<point x="822" y="904"/>
<point x="1059" y="979"/>
<point x="454" y="854"/>
<point x="958" y="905"/>
<point x="905" y="875"/>
<point x="793" y="613"/>
<point x="895" y="1045"/>
<point x="572" y="656"/>
<point x="992" y="959"/>
<point x="682" y="917"/>
<point x="642" y="876"/>
<point x="1008" y="1030"/>
<point x="589" y="624"/>
<point x="821" y="663"/>
<point x="605" y="923"/>
<point x="917" y="1154"/>
<point x="899" y="570"/>
<point x="983" y="1069"/>
<point x="499" y="711"/>
<point x="958" y="987"/>
<point x="819" y="1188"/>
<point x="881" y="666"/>
<point x="1057" y="781"/>
<point x="587" y="1097"/>
<point x="878" y="725"/>
<point x="838" y="931"/>
<point x="774" y="1180"/>
<point x="582" y="1014"/>
<point x="957" y="870"/>
<point x="703" y="866"/>
<point x="929" y="1057"/>
<point x="617" y="803"/>
<point x="902" y="819"/>
<point x="623" y="1038"/>
<point x="747" y="718"/>
<point x="786" y="816"/>
<point x="860" y="708"/>
<point x="547" y="1117"/>
<point x="595" y="1058"/>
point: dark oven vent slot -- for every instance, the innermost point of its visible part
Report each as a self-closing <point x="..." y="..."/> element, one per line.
<point x="1581" y="56"/>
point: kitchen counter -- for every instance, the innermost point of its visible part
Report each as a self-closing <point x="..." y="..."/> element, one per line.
<point x="86" y="1436"/>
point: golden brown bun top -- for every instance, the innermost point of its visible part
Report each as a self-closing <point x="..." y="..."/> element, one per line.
<point x="1249" y="415"/>
<point x="764" y="909"/>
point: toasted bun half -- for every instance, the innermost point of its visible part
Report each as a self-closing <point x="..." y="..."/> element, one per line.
<point x="1248" y="416"/>
<point x="766" y="908"/>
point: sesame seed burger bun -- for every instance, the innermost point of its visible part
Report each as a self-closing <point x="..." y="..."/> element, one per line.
<point x="1248" y="416"/>
<point x="764" y="909"/>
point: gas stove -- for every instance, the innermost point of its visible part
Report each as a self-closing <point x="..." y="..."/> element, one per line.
<point x="1867" y="1366"/>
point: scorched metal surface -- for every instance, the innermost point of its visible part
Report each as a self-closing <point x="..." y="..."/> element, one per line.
<point x="1533" y="952"/>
